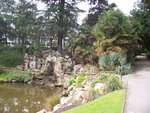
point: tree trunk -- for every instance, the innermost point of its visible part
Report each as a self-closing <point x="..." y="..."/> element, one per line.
<point x="23" y="46"/>
<point x="51" y="42"/>
<point x="61" y="26"/>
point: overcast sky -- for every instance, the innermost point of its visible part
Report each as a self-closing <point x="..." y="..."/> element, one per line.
<point x="124" y="5"/>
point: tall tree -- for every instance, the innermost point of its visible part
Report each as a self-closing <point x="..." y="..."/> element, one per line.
<point x="141" y="22"/>
<point x="97" y="7"/>
<point x="146" y="4"/>
<point x="114" y="33"/>
<point x="25" y="17"/>
<point x="64" y="12"/>
<point x="6" y="17"/>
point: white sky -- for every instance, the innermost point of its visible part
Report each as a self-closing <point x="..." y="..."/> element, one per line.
<point x="124" y="5"/>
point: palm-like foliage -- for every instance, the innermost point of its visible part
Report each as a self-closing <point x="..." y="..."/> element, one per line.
<point x="118" y="43"/>
<point x="112" y="60"/>
<point x="81" y="49"/>
<point x="113" y="32"/>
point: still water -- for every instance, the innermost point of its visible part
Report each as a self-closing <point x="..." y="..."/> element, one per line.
<point x="23" y="98"/>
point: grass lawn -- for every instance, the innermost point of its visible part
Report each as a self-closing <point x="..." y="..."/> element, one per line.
<point x="110" y="103"/>
<point x="9" y="76"/>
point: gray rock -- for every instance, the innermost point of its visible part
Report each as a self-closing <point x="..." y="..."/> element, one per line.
<point x="86" y="87"/>
<point x="76" y="68"/>
<point x="25" y="110"/>
<point x="20" y="67"/>
<point x="42" y="111"/>
<point x="80" y="97"/>
<point x="32" y="65"/>
<point x="100" y="87"/>
<point x="65" y="100"/>
<point x="13" y="80"/>
<point x="58" y="106"/>
<point x="26" y="66"/>
<point x="27" y="79"/>
<point x="39" y="64"/>
<point x="65" y="93"/>
<point x="45" y="55"/>
<point x="70" y="88"/>
<point x="26" y="56"/>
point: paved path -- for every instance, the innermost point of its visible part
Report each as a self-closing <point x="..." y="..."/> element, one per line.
<point x="138" y="88"/>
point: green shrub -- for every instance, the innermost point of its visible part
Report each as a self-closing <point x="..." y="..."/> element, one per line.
<point x="79" y="80"/>
<point x="103" y="78"/>
<point x="10" y="58"/>
<point x="113" y="83"/>
<point x="81" y="49"/>
<point x="112" y="60"/>
<point x="22" y="78"/>
<point x="115" y="62"/>
<point x="7" y="76"/>
<point x="124" y="69"/>
<point x="71" y="82"/>
<point x="113" y="32"/>
<point x="73" y="79"/>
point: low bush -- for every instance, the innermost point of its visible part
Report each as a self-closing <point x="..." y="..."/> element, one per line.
<point x="81" y="49"/>
<point x="115" y="62"/>
<point x="7" y="76"/>
<point x="11" y="58"/>
<point x="112" y="60"/>
<point x="24" y="78"/>
<point x="112" y="82"/>
<point x="19" y="76"/>
<point x="72" y="80"/>
<point x="125" y="69"/>
<point x="79" y="80"/>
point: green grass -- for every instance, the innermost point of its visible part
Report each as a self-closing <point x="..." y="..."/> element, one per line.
<point x="110" y="103"/>
<point x="9" y="76"/>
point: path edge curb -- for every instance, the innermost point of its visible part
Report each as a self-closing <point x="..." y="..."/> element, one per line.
<point x="125" y="94"/>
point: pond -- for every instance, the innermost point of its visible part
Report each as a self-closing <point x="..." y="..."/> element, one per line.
<point x="23" y="98"/>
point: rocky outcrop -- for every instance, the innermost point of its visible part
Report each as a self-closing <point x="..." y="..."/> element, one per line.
<point x="80" y="95"/>
<point x="49" y="65"/>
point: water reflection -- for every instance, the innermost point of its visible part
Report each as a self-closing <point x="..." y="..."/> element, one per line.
<point x="22" y="98"/>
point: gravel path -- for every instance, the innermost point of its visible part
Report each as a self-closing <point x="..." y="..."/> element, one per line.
<point x="138" y="88"/>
